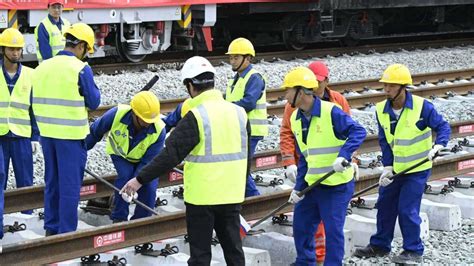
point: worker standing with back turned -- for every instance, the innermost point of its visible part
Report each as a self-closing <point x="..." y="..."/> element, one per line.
<point x="136" y="135"/>
<point x="405" y="124"/>
<point x="63" y="89"/>
<point x="326" y="139"/>
<point x="247" y="90"/>
<point x="18" y="129"/>
<point x="212" y="138"/>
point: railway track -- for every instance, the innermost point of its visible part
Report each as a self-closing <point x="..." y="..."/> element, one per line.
<point x="86" y="242"/>
<point x="359" y="101"/>
<point x="178" y="59"/>
<point x="32" y="197"/>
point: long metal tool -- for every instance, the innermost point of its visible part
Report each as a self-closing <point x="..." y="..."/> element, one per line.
<point x="141" y="204"/>
<point x="300" y="194"/>
<point x="150" y="83"/>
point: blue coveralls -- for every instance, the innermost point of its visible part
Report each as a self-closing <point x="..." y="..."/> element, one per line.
<point x="253" y="91"/>
<point x="43" y="38"/>
<point x="172" y="119"/>
<point x="326" y="203"/>
<point x="125" y="169"/>
<point x="402" y="198"/>
<point x="18" y="148"/>
<point x="65" y="161"/>
<point x="2" y="194"/>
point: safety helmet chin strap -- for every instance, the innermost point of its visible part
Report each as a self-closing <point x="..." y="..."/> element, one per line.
<point x="298" y="89"/>
<point x="398" y="93"/>
<point x="9" y="59"/>
<point x="241" y="63"/>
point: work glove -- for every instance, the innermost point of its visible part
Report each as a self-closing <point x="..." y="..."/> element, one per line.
<point x="35" y="147"/>
<point x="294" y="197"/>
<point x="129" y="198"/>
<point x="338" y="164"/>
<point x="291" y="172"/>
<point x="385" y="176"/>
<point x="356" y="171"/>
<point x="434" y="151"/>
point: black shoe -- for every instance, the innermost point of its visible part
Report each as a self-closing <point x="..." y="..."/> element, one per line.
<point x="116" y="221"/>
<point x="49" y="233"/>
<point x="370" y="251"/>
<point x="408" y="257"/>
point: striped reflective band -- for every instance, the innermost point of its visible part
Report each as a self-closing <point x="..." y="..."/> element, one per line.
<point x="320" y="170"/>
<point x="119" y="151"/>
<point x="62" y="102"/>
<point x="3" y="104"/>
<point x="408" y="142"/>
<point x="261" y="106"/>
<point x="20" y="105"/>
<point x="3" y="120"/>
<point x="322" y="151"/>
<point x="61" y="121"/>
<point x="19" y="121"/>
<point x="208" y="157"/>
<point x="258" y="121"/>
<point x="57" y="47"/>
<point x="411" y="158"/>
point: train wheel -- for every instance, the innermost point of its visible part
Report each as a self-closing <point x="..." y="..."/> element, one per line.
<point x="290" y="41"/>
<point x="124" y="48"/>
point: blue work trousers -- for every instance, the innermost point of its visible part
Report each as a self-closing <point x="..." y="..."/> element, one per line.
<point x="329" y="204"/>
<point x="2" y="199"/>
<point x="250" y="187"/>
<point x="402" y="198"/>
<point x="64" y="162"/>
<point x="146" y="194"/>
<point x="19" y="151"/>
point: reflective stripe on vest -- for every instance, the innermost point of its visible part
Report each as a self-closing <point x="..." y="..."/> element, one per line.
<point x="118" y="140"/>
<point x="58" y="107"/>
<point x="14" y="107"/>
<point x="215" y="170"/>
<point x="56" y="38"/>
<point x="409" y="144"/>
<point x="258" y="116"/>
<point x="322" y="147"/>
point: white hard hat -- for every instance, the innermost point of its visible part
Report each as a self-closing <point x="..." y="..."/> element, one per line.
<point x="195" y="66"/>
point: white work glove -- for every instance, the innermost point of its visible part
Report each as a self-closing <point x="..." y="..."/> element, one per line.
<point x="129" y="198"/>
<point x="337" y="165"/>
<point x="35" y="147"/>
<point x="356" y="171"/>
<point x="294" y="197"/>
<point x="436" y="148"/>
<point x="291" y="172"/>
<point x="385" y="176"/>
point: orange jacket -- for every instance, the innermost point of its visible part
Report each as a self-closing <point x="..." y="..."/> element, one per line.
<point x="287" y="141"/>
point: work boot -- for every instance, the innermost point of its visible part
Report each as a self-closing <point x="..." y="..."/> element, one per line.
<point x="116" y="221"/>
<point x="370" y="251"/>
<point x="408" y="257"/>
<point x="49" y="233"/>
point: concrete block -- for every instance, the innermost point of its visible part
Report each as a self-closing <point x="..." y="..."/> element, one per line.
<point x="439" y="184"/>
<point x="281" y="248"/>
<point x="348" y="243"/>
<point x="444" y="217"/>
<point x="465" y="202"/>
<point x="255" y="256"/>
<point x="268" y="226"/>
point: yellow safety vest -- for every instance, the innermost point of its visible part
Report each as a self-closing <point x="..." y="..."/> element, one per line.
<point x="56" y="36"/>
<point x="321" y="147"/>
<point x="118" y="140"/>
<point x="59" y="109"/>
<point x="14" y="108"/>
<point x="258" y="116"/>
<point x="409" y="144"/>
<point x="187" y="105"/>
<point x="215" y="171"/>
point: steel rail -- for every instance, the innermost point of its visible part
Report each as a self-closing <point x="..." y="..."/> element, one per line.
<point x="153" y="64"/>
<point x="355" y="101"/>
<point x="32" y="197"/>
<point x="97" y="240"/>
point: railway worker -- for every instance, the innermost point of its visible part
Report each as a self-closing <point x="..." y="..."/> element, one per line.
<point x="137" y="134"/>
<point x="327" y="137"/>
<point x="3" y="178"/>
<point x="247" y="90"/>
<point x="212" y="138"/>
<point x="405" y="124"/>
<point x="18" y="130"/>
<point x="63" y="89"/>
<point x="287" y="140"/>
<point x="50" y="32"/>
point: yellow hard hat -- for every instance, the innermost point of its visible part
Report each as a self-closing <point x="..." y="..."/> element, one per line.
<point x="300" y="77"/>
<point x="146" y="106"/>
<point x="84" y="33"/>
<point x="397" y="74"/>
<point x="241" y="46"/>
<point x="12" y="37"/>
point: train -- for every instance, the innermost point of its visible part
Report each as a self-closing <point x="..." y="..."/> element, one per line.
<point x="133" y="29"/>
